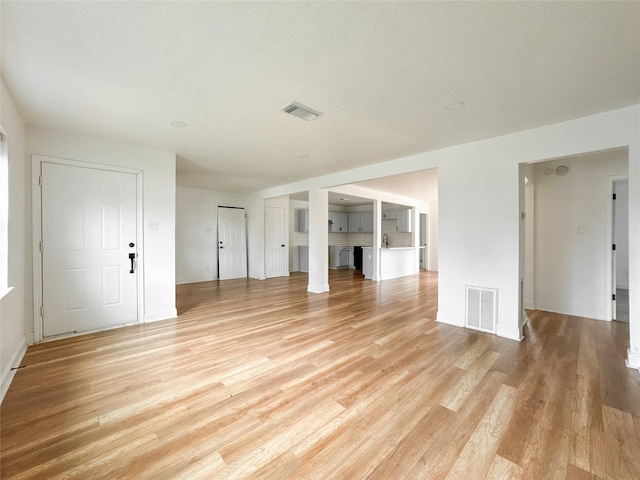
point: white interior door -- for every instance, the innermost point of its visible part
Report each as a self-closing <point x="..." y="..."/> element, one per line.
<point x="232" y="243"/>
<point x="88" y="224"/>
<point x="275" y="245"/>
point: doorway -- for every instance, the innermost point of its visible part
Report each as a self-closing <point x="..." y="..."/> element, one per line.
<point x="620" y="257"/>
<point x="88" y="250"/>
<point x="232" y="243"/>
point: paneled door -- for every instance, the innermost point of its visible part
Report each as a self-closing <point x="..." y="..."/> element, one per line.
<point x="89" y="230"/>
<point x="275" y="244"/>
<point x="232" y="243"/>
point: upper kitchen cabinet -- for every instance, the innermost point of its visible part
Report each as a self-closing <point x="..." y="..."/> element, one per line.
<point x="404" y="220"/>
<point x="367" y="221"/>
<point x="303" y="220"/>
<point x="338" y="222"/>
<point x="361" y="222"/>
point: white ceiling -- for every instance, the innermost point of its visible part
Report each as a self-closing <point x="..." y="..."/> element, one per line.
<point x="381" y="74"/>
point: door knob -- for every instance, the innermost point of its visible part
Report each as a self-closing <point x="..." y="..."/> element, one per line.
<point x="131" y="245"/>
<point x="282" y="245"/>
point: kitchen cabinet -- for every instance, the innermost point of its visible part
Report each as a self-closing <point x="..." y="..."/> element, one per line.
<point x="339" y="256"/>
<point x="360" y="222"/>
<point x="355" y="222"/>
<point x="390" y="215"/>
<point x="367" y="222"/>
<point x="303" y="220"/>
<point x="338" y="222"/>
<point x="404" y="220"/>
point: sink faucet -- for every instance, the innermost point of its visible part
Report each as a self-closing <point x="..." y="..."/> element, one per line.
<point x="385" y="240"/>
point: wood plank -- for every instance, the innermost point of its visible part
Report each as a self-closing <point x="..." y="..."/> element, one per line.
<point x="260" y="379"/>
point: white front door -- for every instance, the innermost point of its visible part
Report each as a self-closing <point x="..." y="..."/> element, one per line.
<point x="88" y="224"/>
<point x="232" y="243"/>
<point x="275" y="244"/>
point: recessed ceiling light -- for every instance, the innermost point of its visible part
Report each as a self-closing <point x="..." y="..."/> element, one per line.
<point x="178" y="124"/>
<point x="452" y="107"/>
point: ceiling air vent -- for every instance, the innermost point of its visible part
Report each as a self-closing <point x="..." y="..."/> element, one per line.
<point x="298" y="110"/>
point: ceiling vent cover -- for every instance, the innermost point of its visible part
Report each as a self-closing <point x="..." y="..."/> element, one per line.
<point x="482" y="308"/>
<point x="300" y="111"/>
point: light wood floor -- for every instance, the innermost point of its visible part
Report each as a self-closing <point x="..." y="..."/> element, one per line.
<point x="258" y="379"/>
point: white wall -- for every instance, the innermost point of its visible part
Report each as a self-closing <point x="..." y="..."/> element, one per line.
<point x="16" y="312"/>
<point x="570" y="266"/>
<point x="479" y="207"/>
<point x="621" y="233"/>
<point x="159" y="204"/>
<point x="197" y="232"/>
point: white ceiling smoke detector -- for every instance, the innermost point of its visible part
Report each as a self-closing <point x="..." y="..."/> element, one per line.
<point x="299" y="110"/>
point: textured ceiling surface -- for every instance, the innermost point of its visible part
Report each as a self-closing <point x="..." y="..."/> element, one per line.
<point x="381" y="73"/>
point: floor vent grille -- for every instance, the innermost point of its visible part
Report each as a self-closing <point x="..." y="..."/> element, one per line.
<point x="482" y="308"/>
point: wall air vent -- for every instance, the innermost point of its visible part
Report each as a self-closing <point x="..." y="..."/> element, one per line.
<point x="482" y="308"/>
<point x="300" y="111"/>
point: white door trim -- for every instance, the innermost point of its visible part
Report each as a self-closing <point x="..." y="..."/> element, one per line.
<point x="36" y="209"/>
<point x="608" y="252"/>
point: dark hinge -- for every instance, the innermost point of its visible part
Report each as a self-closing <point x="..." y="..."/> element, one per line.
<point x="613" y="297"/>
<point x="614" y="196"/>
<point x="613" y="247"/>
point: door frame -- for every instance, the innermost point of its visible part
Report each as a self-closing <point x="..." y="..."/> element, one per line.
<point x="608" y="251"/>
<point x="36" y="209"/>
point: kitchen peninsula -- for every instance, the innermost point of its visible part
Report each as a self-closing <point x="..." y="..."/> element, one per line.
<point x="394" y="262"/>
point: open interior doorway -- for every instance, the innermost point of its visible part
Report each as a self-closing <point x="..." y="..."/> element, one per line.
<point x="569" y="270"/>
<point x="620" y="258"/>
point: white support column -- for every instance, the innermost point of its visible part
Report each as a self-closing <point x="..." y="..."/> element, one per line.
<point x="318" y="241"/>
<point x="633" y="355"/>
<point x="377" y="239"/>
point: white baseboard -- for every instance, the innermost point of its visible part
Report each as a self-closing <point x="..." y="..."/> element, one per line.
<point x="454" y="320"/>
<point x="530" y="305"/>
<point x="165" y="315"/>
<point x="183" y="281"/>
<point x="8" y="374"/>
<point x="509" y="332"/>
<point x="318" y="289"/>
<point x="569" y="310"/>
<point x="633" y="359"/>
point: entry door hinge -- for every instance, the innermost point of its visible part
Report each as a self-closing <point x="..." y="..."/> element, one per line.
<point x="41" y="245"/>
<point x="613" y="247"/>
<point x="40" y="180"/>
<point x="613" y="297"/>
<point x="42" y="311"/>
<point x="614" y="196"/>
